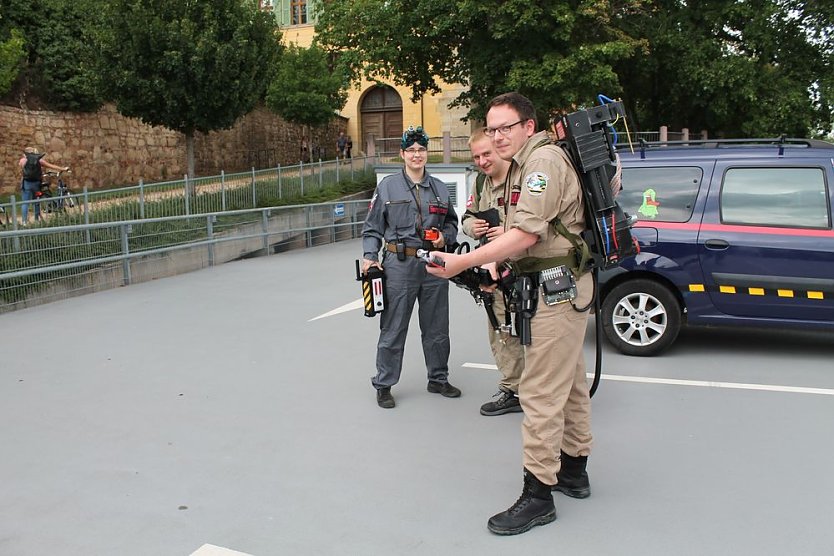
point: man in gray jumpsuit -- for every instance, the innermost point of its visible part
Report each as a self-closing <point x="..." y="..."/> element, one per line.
<point x="410" y="210"/>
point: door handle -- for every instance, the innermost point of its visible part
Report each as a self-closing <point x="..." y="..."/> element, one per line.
<point x="717" y="244"/>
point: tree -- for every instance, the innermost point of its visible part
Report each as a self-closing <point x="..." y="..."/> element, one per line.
<point x="757" y="67"/>
<point x="188" y="65"/>
<point x="11" y="54"/>
<point x="736" y="68"/>
<point x="558" y="53"/>
<point x="57" y="41"/>
<point x="305" y="90"/>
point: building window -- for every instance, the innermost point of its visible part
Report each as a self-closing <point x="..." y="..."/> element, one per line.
<point x="298" y="12"/>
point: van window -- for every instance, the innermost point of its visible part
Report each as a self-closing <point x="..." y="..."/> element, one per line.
<point x="665" y="194"/>
<point x="784" y="197"/>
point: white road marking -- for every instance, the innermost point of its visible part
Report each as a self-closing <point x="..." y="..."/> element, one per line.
<point x="701" y="383"/>
<point x="358" y="304"/>
<point x="211" y="550"/>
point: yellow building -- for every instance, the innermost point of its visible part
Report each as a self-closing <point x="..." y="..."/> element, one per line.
<point x="376" y="112"/>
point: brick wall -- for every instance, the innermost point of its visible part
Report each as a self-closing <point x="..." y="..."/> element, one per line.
<point x="105" y="149"/>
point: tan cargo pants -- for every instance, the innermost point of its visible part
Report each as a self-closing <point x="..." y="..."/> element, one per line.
<point x="553" y="389"/>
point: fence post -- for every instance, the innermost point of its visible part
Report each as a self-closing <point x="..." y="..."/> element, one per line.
<point x="187" y="196"/>
<point x="87" y="214"/>
<point x="223" y="190"/>
<point x="125" y="229"/>
<point x="664" y="134"/>
<point x="447" y="147"/>
<point x="337" y="168"/>
<point x="307" y="225"/>
<point x="14" y="223"/>
<point x="210" y="236"/>
<point x="265" y="228"/>
<point x="321" y="177"/>
<point x="254" y="194"/>
<point x="13" y="201"/>
<point x="141" y="198"/>
<point x="279" y="181"/>
<point x="301" y="175"/>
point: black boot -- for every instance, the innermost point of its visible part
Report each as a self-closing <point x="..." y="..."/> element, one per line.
<point x="384" y="398"/>
<point x="534" y="507"/>
<point x="572" y="477"/>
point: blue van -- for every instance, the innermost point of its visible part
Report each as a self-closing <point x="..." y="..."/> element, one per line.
<point x="731" y="232"/>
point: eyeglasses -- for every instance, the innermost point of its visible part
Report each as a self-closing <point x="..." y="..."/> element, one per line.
<point x="418" y="150"/>
<point x="503" y="130"/>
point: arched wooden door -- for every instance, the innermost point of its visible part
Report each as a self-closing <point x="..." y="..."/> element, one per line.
<point x="381" y="113"/>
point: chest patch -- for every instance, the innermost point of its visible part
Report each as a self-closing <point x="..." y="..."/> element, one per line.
<point x="536" y="183"/>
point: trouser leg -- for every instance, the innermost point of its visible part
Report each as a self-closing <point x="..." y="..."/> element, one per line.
<point x="433" y="312"/>
<point x="393" y="324"/>
<point x="507" y="351"/>
<point x="551" y="363"/>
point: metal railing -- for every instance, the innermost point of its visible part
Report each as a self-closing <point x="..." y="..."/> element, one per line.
<point x="256" y="188"/>
<point x="388" y="149"/>
<point x="40" y="265"/>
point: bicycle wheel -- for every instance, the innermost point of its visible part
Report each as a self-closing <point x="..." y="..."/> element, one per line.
<point x="47" y="202"/>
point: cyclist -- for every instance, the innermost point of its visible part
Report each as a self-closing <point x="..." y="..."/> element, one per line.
<point x="32" y="164"/>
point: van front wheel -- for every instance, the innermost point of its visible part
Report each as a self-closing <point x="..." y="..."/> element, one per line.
<point x="641" y="317"/>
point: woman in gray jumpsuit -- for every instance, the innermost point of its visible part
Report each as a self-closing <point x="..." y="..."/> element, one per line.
<point x="410" y="210"/>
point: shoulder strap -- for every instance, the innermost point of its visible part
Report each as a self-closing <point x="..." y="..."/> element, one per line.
<point x="479" y="183"/>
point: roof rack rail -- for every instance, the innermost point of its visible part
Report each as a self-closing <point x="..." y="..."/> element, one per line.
<point x="781" y="142"/>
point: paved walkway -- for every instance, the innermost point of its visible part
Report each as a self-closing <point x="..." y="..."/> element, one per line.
<point x="209" y="413"/>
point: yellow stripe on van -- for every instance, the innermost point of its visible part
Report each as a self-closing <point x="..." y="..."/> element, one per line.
<point x="696" y="287"/>
<point x="815" y="295"/>
<point x="727" y="289"/>
<point x="784" y="293"/>
<point x="756" y="291"/>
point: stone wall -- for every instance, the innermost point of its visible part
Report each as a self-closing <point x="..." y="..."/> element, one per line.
<point x="105" y="149"/>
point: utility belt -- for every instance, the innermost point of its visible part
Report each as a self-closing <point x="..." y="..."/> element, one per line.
<point x="555" y="277"/>
<point x="404" y="251"/>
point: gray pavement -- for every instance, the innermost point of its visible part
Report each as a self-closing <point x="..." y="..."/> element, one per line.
<point x="209" y="409"/>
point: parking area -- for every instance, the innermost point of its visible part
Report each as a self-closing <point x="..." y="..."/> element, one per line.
<point x="232" y="407"/>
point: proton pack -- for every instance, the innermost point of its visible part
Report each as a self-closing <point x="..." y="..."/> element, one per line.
<point x="588" y="138"/>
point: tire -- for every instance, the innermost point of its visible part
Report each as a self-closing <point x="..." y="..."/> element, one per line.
<point x="47" y="207"/>
<point x="641" y="317"/>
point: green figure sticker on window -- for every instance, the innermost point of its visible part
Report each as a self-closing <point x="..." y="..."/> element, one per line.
<point x="649" y="206"/>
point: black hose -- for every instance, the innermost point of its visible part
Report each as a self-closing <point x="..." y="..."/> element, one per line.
<point x="598" y="328"/>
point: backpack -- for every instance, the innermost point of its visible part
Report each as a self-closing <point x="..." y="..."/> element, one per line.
<point x="32" y="170"/>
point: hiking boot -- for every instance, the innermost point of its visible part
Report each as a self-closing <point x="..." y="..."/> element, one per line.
<point x="534" y="507"/>
<point x="444" y="389"/>
<point x="507" y="402"/>
<point x="572" y="477"/>
<point x="384" y="398"/>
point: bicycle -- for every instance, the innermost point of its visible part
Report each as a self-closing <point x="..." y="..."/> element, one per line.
<point x="61" y="200"/>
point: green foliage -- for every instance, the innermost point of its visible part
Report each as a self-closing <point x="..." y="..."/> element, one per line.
<point x="730" y="67"/>
<point x="184" y="64"/>
<point x="305" y="90"/>
<point x="62" y="72"/>
<point x="57" y="35"/>
<point x="735" y="68"/>
<point x="11" y="54"/>
<point x="558" y="53"/>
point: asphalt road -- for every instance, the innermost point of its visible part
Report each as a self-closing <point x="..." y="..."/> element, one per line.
<point x="214" y="408"/>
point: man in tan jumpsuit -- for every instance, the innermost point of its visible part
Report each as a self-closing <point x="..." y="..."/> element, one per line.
<point x="553" y="390"/>
<point x="487" y="194"/>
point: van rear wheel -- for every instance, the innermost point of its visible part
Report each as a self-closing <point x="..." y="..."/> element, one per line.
<point x="641" y="317"/>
